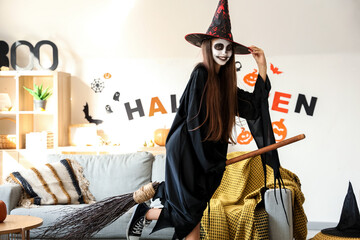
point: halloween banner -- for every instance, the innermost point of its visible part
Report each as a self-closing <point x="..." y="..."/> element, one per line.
<point x="154" y="106"/>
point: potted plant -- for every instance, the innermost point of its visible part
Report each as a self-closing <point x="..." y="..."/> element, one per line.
<point x="40" y="96"/>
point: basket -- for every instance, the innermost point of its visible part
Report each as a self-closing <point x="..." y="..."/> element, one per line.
<point x="7" y="141"/>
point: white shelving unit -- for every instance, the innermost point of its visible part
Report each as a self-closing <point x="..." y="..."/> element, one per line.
<point x="55" y="118"/>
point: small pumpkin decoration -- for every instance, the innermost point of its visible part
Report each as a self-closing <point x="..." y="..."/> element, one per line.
<point x="250" y="78"/>
<point x="107" y="75"/>
<point x="280" y="130"/>
<point x="151" y="144"/>
<point x="244" y="137"/>
<point x="3" y="211"/>
<point x="160" y="136"/>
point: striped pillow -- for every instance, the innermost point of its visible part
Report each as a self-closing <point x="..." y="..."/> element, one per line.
<point x="54" y="183"/>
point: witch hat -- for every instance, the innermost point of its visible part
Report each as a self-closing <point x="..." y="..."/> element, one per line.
<point x="220" y="27"/>
<point x="349" y="224"/>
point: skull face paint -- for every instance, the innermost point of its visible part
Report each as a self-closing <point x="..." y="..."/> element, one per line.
<point x="221" y="50"/>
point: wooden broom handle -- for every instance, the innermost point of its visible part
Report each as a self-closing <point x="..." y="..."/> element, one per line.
<point x="265" y="149"/>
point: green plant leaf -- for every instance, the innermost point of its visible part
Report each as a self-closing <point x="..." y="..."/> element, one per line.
<point x="32" y="92"/>
<point x="46" y="94"/>
<point x="38" y="93"/>
<point x="36" y="89"/>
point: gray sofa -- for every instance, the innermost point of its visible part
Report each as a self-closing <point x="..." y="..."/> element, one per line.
<point x="111" y="175"/>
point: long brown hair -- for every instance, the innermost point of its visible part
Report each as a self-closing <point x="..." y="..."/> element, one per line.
<point x="221" y="97"/>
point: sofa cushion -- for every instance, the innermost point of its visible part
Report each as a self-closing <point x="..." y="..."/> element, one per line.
<point x="158" y="175"/>
<point x="55" y="183"/>
<point x="158" y="169"/>
<point x="113" y="174"/>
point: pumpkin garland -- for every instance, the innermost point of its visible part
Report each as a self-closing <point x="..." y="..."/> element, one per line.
<point x="280" y="130"/>
<point x="250" y="78"/>
<point x="244" y="137"/>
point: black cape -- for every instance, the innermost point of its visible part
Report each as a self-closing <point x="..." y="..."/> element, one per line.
<point x="194" y="168"/>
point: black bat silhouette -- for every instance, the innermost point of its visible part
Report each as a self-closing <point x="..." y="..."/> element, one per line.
<point x="88" y="117"/>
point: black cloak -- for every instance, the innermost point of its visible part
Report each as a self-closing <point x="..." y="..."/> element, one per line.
<point x="194" y="168"/>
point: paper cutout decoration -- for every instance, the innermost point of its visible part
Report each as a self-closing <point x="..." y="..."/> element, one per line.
<point x="116" y="96"/>
<point x="238" y="66"/>
<point x="250" y="78"/>
<point x="108" y="109"/>
<point x="275" y="70"/>
<point x="107" y="75"/>
<point x="280" y="130"/>
<point x="97" y="85"/>
<point x="89" y="117"/>
<point x="244" y="137"/>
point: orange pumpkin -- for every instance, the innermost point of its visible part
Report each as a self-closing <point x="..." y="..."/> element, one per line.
<point x="244" y="137"/>
<point x="160" y="136"/>
<point x="280" y="130"/>
<point x="250" y="78"/>
<point x="3" y="211"/>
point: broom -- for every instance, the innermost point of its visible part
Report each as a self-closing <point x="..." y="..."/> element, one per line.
<point x="85" y="222"/>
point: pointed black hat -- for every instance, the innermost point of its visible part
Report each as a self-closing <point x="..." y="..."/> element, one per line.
<point x="349" y="224"/>
<point x="220" y="27"/>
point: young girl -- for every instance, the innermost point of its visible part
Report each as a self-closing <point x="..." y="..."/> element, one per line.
<point x="197" y="143"/>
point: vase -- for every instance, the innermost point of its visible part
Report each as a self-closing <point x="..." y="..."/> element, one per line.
<point x="39" y="105"/>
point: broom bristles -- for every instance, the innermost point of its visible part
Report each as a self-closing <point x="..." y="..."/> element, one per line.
<point x="84" y="222"/>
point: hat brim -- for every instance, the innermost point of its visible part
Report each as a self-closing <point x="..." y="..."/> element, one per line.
<point x="322" y="236"/>
<point x="348" y="233"/>
<point x="196" y="39"/>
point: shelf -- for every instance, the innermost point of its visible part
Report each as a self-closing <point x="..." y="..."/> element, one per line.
<point x="56" y="117"/>
<point x="26" y="73"/>
<point x="8" y="113"/>
<point x="22" y="119"/>
<point x="47" y="112"/>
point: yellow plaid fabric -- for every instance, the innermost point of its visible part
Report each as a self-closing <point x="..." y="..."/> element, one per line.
<point x="322" y="236"/>
<point x="235" y="209"/>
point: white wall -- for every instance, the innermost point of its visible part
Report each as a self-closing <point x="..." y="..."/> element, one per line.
<point x="141" y="44"/>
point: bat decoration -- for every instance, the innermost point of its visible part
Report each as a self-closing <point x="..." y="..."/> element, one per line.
<point x="275" y="70"/>
<point x="88" y="117"/>
<point x="108" y="109"/>
<point x="116" y="96"/>
<point x="97" y="85"/>
<point x="238" y="66"/>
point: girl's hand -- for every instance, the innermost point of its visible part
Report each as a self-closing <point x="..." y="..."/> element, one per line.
<point x="260" y="59"/>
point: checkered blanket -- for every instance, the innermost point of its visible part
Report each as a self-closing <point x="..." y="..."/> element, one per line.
<point x="235" y="209"/>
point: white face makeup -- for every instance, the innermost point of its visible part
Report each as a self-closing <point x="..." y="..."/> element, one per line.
<point x="221" y="50"/>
